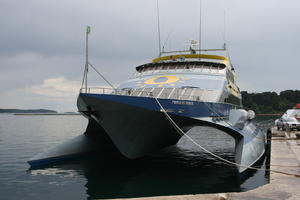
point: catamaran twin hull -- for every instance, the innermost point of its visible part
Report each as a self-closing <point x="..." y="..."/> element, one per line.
<point x="191" y="89"/>
<point x="137" y="126"/>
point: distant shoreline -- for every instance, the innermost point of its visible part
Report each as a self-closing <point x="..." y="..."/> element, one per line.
<point x="34" y="112"/>
<point x="13" y="110"/>
<point x="46" y="113"/>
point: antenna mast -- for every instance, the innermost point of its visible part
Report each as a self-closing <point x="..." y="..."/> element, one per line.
<point x="84" y="79"/>
<point x="224" y="31"/>
<point x="200" y="27"/>
<point x="158" y="28"/>
<point x="224" y="36"/>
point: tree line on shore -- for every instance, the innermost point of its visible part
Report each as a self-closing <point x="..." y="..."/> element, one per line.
<point x="26" y="111"/>
<point x="270" y="102"/>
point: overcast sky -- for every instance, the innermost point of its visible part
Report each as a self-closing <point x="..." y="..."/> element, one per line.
<point x="42" y="43"/>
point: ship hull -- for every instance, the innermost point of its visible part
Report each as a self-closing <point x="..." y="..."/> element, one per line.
<point x="134" y="130"/>
<point x="137" y="126"/>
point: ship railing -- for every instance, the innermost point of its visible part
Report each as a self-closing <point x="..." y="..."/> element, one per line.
<point x="97" y="90"/>
<point x="192" y="94"/>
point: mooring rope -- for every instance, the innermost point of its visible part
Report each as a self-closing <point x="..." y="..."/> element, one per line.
<point x="182" y="133"/>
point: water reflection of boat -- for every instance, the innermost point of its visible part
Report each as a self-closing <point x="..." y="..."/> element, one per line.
<point x="177" y="170"/>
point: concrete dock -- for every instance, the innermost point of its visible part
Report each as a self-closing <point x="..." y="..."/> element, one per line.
<point x="285" y="157"/>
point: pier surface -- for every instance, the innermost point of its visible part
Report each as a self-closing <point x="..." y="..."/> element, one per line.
<point x="285" y="157"/>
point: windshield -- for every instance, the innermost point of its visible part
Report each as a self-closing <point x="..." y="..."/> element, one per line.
<point x="290" y="119"/>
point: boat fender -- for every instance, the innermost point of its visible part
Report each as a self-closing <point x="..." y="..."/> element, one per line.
<point x="250" y="115"/>
<point x="238" y="117"/>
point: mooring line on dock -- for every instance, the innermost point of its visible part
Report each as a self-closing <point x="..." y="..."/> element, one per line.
<point x="182" y="133"/>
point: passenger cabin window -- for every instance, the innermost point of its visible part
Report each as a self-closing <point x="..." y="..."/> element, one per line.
<point x="156" y="92"/>
<point x="202" y="67"/>
<point x="146" y="92"/>
<point x="188" y="92"/>
<point x="176" y="93"/>
<point x="137" y="92"/>
<point x="165" y="93"/>
<point x="172" y="67"/>
<point x="230" y="76"/>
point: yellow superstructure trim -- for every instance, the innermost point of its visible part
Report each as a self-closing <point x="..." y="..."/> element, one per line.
<point x="186" y="56"/>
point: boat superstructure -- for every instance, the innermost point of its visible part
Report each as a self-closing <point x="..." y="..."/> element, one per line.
<point x="196" y="77"/>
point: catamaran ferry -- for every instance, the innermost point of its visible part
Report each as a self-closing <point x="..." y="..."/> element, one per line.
<point x="164" y="99"/>
<point x="192" y="89"/>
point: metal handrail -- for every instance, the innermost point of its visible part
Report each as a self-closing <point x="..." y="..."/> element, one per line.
<point x="139" y="92"/>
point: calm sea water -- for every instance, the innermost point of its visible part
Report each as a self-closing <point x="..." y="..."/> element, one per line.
<point x="180" y="169"/>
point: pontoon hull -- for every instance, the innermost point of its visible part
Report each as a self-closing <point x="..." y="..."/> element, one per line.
<point x="138" y="130"/>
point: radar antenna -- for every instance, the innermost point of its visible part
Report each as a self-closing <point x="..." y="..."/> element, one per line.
<point x="86" y="68"/>
<point x="200" y="26"/>
<point x="158" y="28"/>
<point x="224" y="32"/>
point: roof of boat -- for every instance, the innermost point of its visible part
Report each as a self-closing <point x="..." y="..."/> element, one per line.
<point x="190" y="56"/>
<point x="200" y="59"/>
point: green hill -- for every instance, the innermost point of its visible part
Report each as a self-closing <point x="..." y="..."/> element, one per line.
<point x="271" y="102"/>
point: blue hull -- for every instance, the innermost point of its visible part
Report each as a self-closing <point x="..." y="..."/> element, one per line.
<point x="184" y="108"/>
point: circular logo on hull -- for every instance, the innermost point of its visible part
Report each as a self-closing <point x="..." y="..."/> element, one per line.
<point x="162" y="80"/>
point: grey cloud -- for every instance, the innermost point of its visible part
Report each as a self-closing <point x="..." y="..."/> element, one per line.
<point x="45" y="39"/>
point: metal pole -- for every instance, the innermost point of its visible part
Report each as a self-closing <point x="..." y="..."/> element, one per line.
<point x="158" y="29"/>
<point x="224" y="31"/>
<point x="200" y="27"/>
<point x="86" y="57"/>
